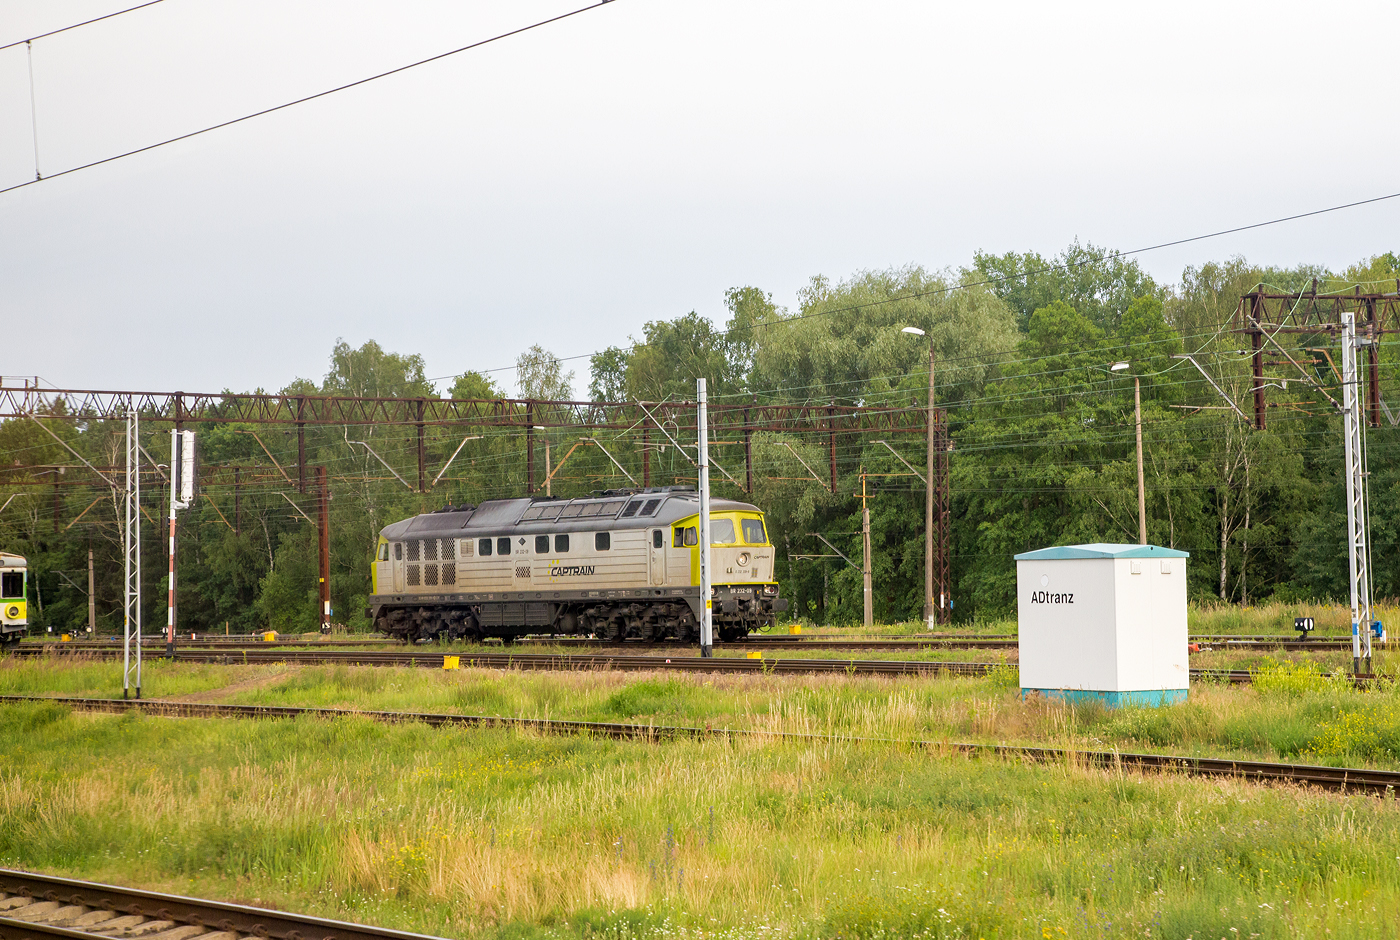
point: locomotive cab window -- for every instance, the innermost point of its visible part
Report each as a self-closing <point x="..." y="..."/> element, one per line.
<point x="658" y="538"/>
<point x="721" y="532"/>
<point x="541" y="545"/>
<point x="602" y="541"/>
<point x="753" y="532"/>
<point x="684" y="536"/>
<point x="503" y="545"/>
<point x="12" y="584"/>
<point x="484" y="549"/>
<point x="384" y="552"/>
<point x="561" y="544"/>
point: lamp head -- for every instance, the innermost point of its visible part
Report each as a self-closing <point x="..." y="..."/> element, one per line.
<point x="1118" y="366"/>
<point x="913" y="329"/>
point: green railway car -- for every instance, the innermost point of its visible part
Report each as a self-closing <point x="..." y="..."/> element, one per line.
<point x="14" y="597"/>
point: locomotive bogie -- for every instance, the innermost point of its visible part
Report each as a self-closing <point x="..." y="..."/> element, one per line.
<point x="621" y="566"/>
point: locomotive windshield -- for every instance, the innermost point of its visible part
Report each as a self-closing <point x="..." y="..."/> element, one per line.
<point x="721" y="532"/>
<point x="753" y="532"/>
<point x="12" y="584"/>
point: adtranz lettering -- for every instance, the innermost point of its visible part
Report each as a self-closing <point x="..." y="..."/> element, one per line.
<point x="1045" y="597"/>
<point x="565" y="571"/>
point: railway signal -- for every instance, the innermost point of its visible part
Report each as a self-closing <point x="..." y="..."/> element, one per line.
<point x="182" y="492"/>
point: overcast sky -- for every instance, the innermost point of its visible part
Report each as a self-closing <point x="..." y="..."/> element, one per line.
<point x="564" y="186"/>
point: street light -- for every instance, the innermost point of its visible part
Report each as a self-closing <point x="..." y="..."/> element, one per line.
<point x="929" y="610"/>
<point x="1137" y="412"/>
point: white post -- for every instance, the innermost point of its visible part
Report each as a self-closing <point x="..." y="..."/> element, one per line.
<point x="176" y="466"/>
<point x="1358" y="552"/>
<point x="707" y="621"/>
<point x="131" y="543"/>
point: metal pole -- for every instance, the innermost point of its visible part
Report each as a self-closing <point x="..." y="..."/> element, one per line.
<point x="1142" y="493"/>
<point x="1357" y="551"/>
<point x="324" y="527"/>
<point x="929" y="610"/>
<point x="92" y="600"/>
<point x="131" y="566"/>
<point x="865" y="559"/>
<point x="707" y="620"/>
<point x="548" y="471"/>
<point x="126" y="563"/>
<point x="175" y="477"/>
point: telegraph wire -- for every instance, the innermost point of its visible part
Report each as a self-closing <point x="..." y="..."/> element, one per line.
<point x="64" y="29"/>
<point x="319" y="94"/>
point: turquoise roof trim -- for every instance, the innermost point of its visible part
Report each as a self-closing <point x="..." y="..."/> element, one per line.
<point x="1102" y="550"/>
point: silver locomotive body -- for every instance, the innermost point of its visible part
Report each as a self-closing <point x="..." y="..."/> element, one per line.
<point x="623" y="565"/>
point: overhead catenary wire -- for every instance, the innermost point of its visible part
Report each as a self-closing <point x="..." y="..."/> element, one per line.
<point x="64" y="29"/>
<point x="313" y="97"/>
<point x="984" y="282"/>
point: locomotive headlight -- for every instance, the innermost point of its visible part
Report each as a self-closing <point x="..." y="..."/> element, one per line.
<point x="743" y="559"/>
<point x="770" y="589"/>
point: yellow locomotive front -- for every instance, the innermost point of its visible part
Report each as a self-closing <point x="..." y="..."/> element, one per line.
<point x="14" y="601"/>
<point x="743" y="590"/>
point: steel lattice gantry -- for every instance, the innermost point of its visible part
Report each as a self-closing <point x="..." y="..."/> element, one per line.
<point x="1263" y="314"/>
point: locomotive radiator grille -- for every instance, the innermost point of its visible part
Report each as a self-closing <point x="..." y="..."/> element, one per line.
<point x="449" y="565"/>
<point x="430" y="573"/>
<point x="522" y="571"/>
<point x="413" y="579"/>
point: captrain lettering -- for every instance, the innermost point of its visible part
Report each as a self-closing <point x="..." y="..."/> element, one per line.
<point x="564" y="571"/>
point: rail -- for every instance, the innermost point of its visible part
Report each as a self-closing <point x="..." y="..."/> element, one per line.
<point x="41" y="906"/>
<point x="1384" y="782"/>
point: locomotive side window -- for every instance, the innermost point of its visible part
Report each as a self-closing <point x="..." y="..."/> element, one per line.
<point x="658" y="538"/>
<point x="398" y="551"/>
<point x="384" y="552"/>
<point x="685" y="536"/>
<point x="503" y="545"/>
<point x="484" y="550"/>
<point x="753" y="532"/>
<point x="561" y="544"/>
<point x="541" y="545"/>
<point x="602" y="541"/>
<point x="12" y="584"/>
<point x="721" y="532"/>
<point x="678" y="536"/>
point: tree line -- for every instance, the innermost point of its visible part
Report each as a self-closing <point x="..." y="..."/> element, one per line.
<point x="1042" y="434"/>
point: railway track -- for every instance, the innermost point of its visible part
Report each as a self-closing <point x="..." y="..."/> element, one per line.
<point x="1276" y="643"/>
<point x="1366" y="780"/>
<point x="592" y="661"/>
<point x="37" y="907"/>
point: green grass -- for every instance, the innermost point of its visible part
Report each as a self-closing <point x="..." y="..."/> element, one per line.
<point x="1292" y="713"/>
<point x="494" y="833"/>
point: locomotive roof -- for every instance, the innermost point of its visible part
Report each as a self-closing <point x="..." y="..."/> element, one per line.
<point x="544" y="514"/>
<point x="9" y="560"/>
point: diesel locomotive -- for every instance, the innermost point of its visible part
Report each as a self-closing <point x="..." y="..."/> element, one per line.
<point x="619" y="565"/>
